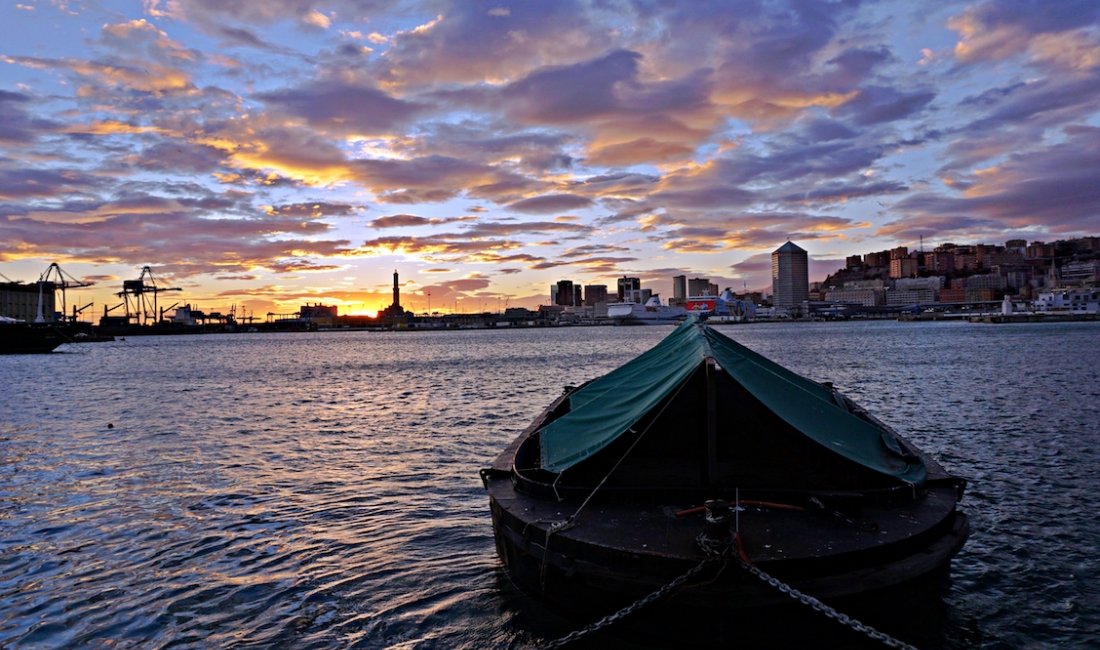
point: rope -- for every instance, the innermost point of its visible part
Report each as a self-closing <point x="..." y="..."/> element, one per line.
<point x="571" y="520"/>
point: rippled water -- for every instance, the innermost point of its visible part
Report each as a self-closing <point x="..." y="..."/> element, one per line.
<point x="321" y="490"/>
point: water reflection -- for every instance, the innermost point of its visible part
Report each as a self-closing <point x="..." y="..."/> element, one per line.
<point x="321" y="490"/>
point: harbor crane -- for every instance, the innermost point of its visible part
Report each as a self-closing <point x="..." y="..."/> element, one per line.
<point x="140" y="297"/>
<point x="77" y="311"/>
<point x="52" y="279"/>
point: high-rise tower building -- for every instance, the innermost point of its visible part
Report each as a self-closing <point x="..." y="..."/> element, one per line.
<point x="630" y="289"/>
<point x="679" y="288"/>
<point x="566" y="294"/>
<point x="699" y="287"/>
<point x="595" y="294"/>
<point x="790" y="276"/>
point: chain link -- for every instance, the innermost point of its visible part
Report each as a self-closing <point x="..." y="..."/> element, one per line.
<point x="611" y="619"/>
<point x="819" y="606"/>
<point x="719" y="551"/>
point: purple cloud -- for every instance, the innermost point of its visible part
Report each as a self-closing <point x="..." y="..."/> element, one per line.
<point x="550" y="203"/>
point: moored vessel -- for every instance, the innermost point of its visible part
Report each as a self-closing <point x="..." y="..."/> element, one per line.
<point x="652" y="312"/>
<point x="701" y="458"/>
<point x="18" y="337"/>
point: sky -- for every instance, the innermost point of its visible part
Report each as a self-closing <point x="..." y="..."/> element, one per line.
<point x="287" y="152"/>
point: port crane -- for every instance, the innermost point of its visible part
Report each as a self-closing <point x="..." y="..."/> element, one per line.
<point x="77" y="311"/>
<point x="52" y="279"/>
<point x="140" y="297"/>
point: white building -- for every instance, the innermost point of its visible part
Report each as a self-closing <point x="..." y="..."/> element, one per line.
<point x="864" y="297"/>
<point x="1076" y="301"/>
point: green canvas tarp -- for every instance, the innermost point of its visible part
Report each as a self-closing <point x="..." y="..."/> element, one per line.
<point x="609" y="406"/>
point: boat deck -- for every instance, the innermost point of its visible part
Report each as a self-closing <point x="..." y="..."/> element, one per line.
<point x="768" y="534"/>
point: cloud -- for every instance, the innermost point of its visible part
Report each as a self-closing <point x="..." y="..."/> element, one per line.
<point x="317" y="19"/>
<point x="488" y="229"/>
<point x="640" y="150"/>
<point x="532" y="34"/>
<point x="177" y="156"/>
<point x="427" y="178"/>
<point x="593" y="250"/>
<point x="550" y="203"/>
<point x="18" y="126"/>
<point x="571" y="93"/>
<point x="311" y="210"/>
<point x="998" y="30"/>
<point x="840" y="192"/>
<point x="531" y="151"/>
<point x="878" y="104"/>
<point x="149" y="77"/>
<point x="586" y="137"/>
<point x="132" y="36"/>
<point x="22" y="183"/>
<point x="1017" y="194"/>
<point x="413" y="221"/>
<point x="442" y="246"/>
<point x="1032" y="105"/>
<point x="339" y="107"/>
<point x="399" y="221"/>
<point x="200" y="245"/>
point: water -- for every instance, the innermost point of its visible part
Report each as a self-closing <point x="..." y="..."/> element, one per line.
<point x="321" y="490"/>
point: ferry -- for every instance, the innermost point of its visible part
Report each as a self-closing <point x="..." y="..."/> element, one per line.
<point x="652" y="312"/>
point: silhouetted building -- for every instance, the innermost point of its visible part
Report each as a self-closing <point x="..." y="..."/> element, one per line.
<point x="594" y="294"/>
<point x="395" y="310"/>
<point x="20" y="301"/>
<point x="566" y="294"/>
<point x="630" y="289"/>
<point x="324" y="315"/>
<point x="679" y="287"/>
<point x="790" y="276"/>
<point x="699" y="287"/>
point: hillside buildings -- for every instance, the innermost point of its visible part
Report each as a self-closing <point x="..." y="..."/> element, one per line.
<point x="961" y="274"/>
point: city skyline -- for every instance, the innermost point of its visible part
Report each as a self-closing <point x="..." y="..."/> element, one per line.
<point x="275" y="154"/>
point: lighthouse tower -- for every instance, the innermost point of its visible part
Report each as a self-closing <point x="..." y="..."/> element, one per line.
<point x="396" y="306"/>
<point x="394" y="312"/>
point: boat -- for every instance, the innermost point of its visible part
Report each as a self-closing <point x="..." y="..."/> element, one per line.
<point x="652" y="312"/>
<point x="701" y="305"/>
<point x="700" y="454"/>
<point x="19" y="337"/>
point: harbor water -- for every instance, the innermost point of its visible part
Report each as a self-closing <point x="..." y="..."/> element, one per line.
<point x="321" y="489"/>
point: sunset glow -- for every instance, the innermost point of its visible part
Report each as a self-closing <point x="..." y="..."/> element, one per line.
<point x="271" y="154"/>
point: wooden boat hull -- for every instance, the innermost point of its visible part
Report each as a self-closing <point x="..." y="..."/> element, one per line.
<point x="897" y="590"/>
<point x="620" y="552"/>
<point x="607" y="532"/>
